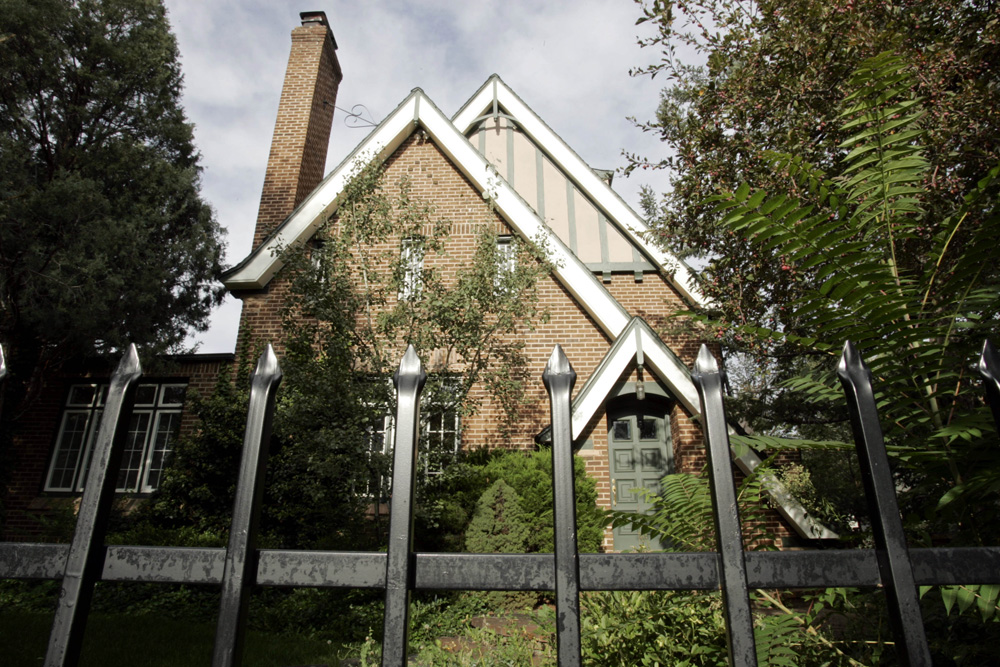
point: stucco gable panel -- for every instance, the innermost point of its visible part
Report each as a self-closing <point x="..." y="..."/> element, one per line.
<point x="607" y="200"/>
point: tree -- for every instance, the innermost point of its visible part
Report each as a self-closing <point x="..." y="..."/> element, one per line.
<point x="921" y="325"/>
<point x="773" y="79"/>
<point x="355" y="301"/>
<point x="104" y="237"/>
<point x="774" y="75"/>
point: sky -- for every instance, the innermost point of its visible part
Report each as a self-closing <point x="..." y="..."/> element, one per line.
<point x="568" y="60"/>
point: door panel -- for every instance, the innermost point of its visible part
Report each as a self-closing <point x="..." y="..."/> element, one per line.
<point x="640" y="455"/>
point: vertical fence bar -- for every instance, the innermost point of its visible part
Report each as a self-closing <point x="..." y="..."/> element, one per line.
<point x="559" y="379"/>
<point x="989" y="368"/>
<point x="409" y="380"/>
<point x="86" y="552"/>
<point x="3" y="374"/>
<point x="241" y="554"/>
<point x="735" y="590"/>
<point x="894" y="566"/>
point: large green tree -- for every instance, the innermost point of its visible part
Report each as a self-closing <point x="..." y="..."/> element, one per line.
<point x="104" y="237"/>
<point x="770" y="75"/>
<point x="353" y="304"/>
<point x="862" y="217"/>
<point x="921" y="326"/>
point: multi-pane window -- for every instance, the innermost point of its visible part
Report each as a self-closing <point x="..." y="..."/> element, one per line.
<point x="380" y="439"/>
<point x="506" y="261"/>
<point x="440" y="439"/>
<point x="152" y="431"/>
<point x="412" y="265"/>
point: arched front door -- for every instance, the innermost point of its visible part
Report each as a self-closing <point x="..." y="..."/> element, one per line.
<point x="640" y="454"/>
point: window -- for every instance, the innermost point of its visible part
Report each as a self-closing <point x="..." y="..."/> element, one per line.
<point x="440" y="439"/>
<point x="152" y="431"/>
<point x="412" y="264"/>
<point x="317" y="259"/>
<point x="506" y="261"/>
<point x="380" y="439"/>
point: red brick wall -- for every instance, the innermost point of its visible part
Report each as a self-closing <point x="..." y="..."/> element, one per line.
<point x="297" y="160"/>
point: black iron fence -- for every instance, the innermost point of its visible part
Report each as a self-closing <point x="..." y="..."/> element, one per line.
<point x="241" y="566"/>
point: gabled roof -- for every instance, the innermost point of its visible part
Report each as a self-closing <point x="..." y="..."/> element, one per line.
<point x="590" y="183"/>
<point x="638" y="343"/>
<point x="418" y="112"/>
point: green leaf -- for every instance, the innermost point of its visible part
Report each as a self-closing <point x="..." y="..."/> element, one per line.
<point x="948" y="595"/>
<point x="966" y="596"/>
<point x="986" y="600"/>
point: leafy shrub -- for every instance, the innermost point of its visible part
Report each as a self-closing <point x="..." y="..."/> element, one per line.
<point x="445" y="502"/>
<point x="498" y="525"/>
<point x="653" y="628"/>
<point x="530" y="475"/>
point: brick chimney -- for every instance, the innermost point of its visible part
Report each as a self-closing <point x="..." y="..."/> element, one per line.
<point x="302" y="131"/>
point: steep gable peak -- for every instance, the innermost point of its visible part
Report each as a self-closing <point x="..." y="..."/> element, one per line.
<point x="592" y="220"/>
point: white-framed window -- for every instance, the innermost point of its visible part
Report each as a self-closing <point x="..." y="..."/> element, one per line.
<point x="441" y="436"/>
<point x="381" y="435"/>
<point x="152" y="431"/>
<point x="506" y="260"/>
<point x="440" y="440"/>
<point x="412" y="264"/>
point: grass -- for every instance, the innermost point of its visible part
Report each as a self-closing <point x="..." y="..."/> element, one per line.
<point x="114" y="640"/>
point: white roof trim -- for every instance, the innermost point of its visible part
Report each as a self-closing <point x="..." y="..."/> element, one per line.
<point x="658" y="358"/>
<point x="672" y="373"/>
<point x="784" y="503"/>
<point x="418" y="110"/>
<point x="620" y="213"/>
<point x="262" y="263"/>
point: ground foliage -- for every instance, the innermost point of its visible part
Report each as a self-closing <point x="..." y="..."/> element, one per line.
<point x="688" y="627"/>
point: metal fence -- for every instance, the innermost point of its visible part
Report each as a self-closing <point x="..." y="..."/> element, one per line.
<point x="241" y="566"/>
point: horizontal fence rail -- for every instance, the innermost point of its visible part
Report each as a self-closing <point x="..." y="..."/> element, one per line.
<point x="241" y="565"/>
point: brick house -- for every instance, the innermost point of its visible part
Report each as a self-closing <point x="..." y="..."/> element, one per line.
<point x="493" y="165"/>
<point x="496" y="164"/>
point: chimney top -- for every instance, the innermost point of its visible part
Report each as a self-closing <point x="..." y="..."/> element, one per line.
<point x="314" y="17"/>
<point x="317" y="18"/>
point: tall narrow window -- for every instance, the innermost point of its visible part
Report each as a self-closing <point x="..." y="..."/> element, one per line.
<point x="440" y="436"/>
<point x="506" y="261"/>
<point x="152" y="431"/>
<point x="412" y="264"/>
